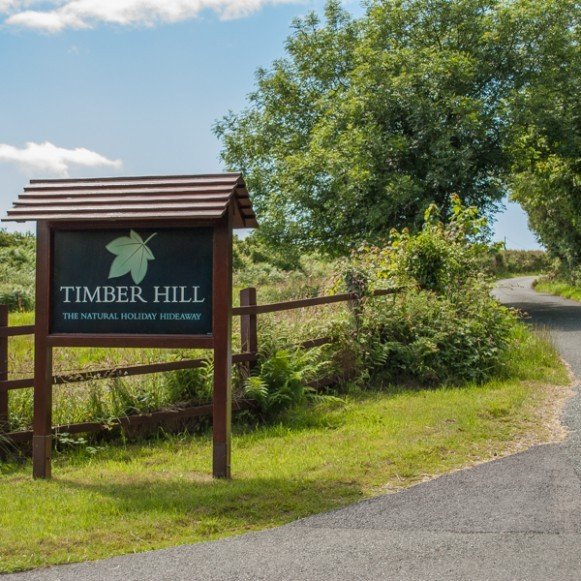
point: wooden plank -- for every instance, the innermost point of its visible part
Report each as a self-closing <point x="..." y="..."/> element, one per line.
<point x="311" y="343"/>
<point x="117" y="206"/>
<point x="119" y="192"/>
<point x="14" y="331"/>
<point x="129" y="180"/>
<point x="303" y="303"/>
<point x="101" y="197"/>
<point x="296" y="304"/>
<point x="128" y="222"/>
<point x="386" y="291"/>
<point x="17" y="383"/>
<point x="324" y="382"/>
<point x="123" y="371"/>
<point x="145" y="215"/>
<point x="156" y="417"/>
<point x="248" y="328"/>
<point x="112" y="340"/>
<point x="130" y="370"/>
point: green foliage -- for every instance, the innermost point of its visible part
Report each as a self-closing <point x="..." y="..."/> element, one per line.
<point x="254" y="249"/>
<point x="443" y="327"/>
<point x="367" y="122"/>
<point x="546" y="128"/>
<point x="190" y="385"/>
<point x="282" y="378"/>
<point x="128" y="402"/>
<point x="511" y="262"/>
<point x="280" y="275"/>
<point x="437" y="339"/>
<point x="17" y="270"/>
<point x="441" y="257"/>
<point x="364" y="123"/>
<point x="562" y="282"/>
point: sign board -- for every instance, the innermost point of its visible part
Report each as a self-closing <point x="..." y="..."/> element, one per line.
<point x="132" y="281"/>
<point x="136" y="262"/>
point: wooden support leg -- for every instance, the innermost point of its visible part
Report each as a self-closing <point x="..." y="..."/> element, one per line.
<point x="42" y="421"/>
<point x="222" y="331"/>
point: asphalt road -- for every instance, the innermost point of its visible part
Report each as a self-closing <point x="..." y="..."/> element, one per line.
<point x="518" y="518"/>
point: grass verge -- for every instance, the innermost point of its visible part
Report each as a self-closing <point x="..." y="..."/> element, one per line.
<point x="139" y="497"/>
<point x="559" y="288"/>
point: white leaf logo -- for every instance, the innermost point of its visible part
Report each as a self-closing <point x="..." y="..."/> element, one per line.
<point x="132" y="255"/>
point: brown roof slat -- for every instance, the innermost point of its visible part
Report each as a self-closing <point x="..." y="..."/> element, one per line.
<point x="117" y="216"/>
<point x="99" y="200"/>
<point x="204" y="196"/>
<point x="156" y="178"/>
<point x="88" y="185"/>
<point x="82" y="209"/>
<point x="95" y="191"/>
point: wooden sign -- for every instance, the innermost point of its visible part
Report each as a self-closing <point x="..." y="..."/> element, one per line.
<point x="134" y="262"/>
<point x="132" y="281"/>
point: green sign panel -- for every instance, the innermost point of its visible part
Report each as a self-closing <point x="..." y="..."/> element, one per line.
<point x="132" y="281"/>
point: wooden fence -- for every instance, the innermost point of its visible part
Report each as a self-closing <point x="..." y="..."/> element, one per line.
<point x="248" y="312"/>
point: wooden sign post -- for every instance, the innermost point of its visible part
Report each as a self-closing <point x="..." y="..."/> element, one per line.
<point x="134" y="262"/>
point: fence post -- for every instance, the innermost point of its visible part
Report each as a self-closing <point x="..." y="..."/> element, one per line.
<point x="356" y="308"/>
<point x="248" y="328"/>
<point x="3" y="370"/>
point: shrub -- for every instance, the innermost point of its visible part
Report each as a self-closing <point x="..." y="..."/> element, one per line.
<point x="190" y="385"/>
<point x="281" y="380"/>
<point x="441" y="257"/>
<point x="17" y="298"/>
<point x="444" y="327"/>
<point x="17" y="270"/>
<point x="438" y="339"/>
<point x="506" y="262"/>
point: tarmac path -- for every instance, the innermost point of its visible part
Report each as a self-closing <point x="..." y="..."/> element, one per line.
<point x="517" y="518"/>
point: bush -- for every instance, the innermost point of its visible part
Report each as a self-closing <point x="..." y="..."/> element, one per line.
<point x="190" y="385"/>
<point x="438" y="339"/>
<point x="443" y="327"/>
<point x="441" y="257"/>
<point x="17" y="298"/>
<point x="281" y="379"/>
<point x="17" y="271"/>
<point x="508" y="262"/>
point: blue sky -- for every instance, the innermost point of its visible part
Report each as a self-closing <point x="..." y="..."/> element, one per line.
<point x="133" y="87"/>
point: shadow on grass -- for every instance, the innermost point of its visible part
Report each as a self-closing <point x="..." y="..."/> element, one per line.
<point x="235" y="506"/>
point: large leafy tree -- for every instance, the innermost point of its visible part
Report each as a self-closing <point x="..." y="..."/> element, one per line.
<point x="270" y="139"/>
<point x="366" y="123"/>
<point x="546" y="136"/>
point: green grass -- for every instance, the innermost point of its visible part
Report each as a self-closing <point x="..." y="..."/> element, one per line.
<point x="157" y="494"/>
<point x="559" y="288"/>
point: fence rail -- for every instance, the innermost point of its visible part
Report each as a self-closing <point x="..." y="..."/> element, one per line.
<point x="248" y="312"/>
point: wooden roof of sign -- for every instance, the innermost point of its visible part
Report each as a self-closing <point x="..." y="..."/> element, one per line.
<point x="204" y="197"/>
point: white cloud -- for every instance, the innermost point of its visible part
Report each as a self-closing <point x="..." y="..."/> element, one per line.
<point x="48" y="158"/>
<point x="55" y="15"/>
